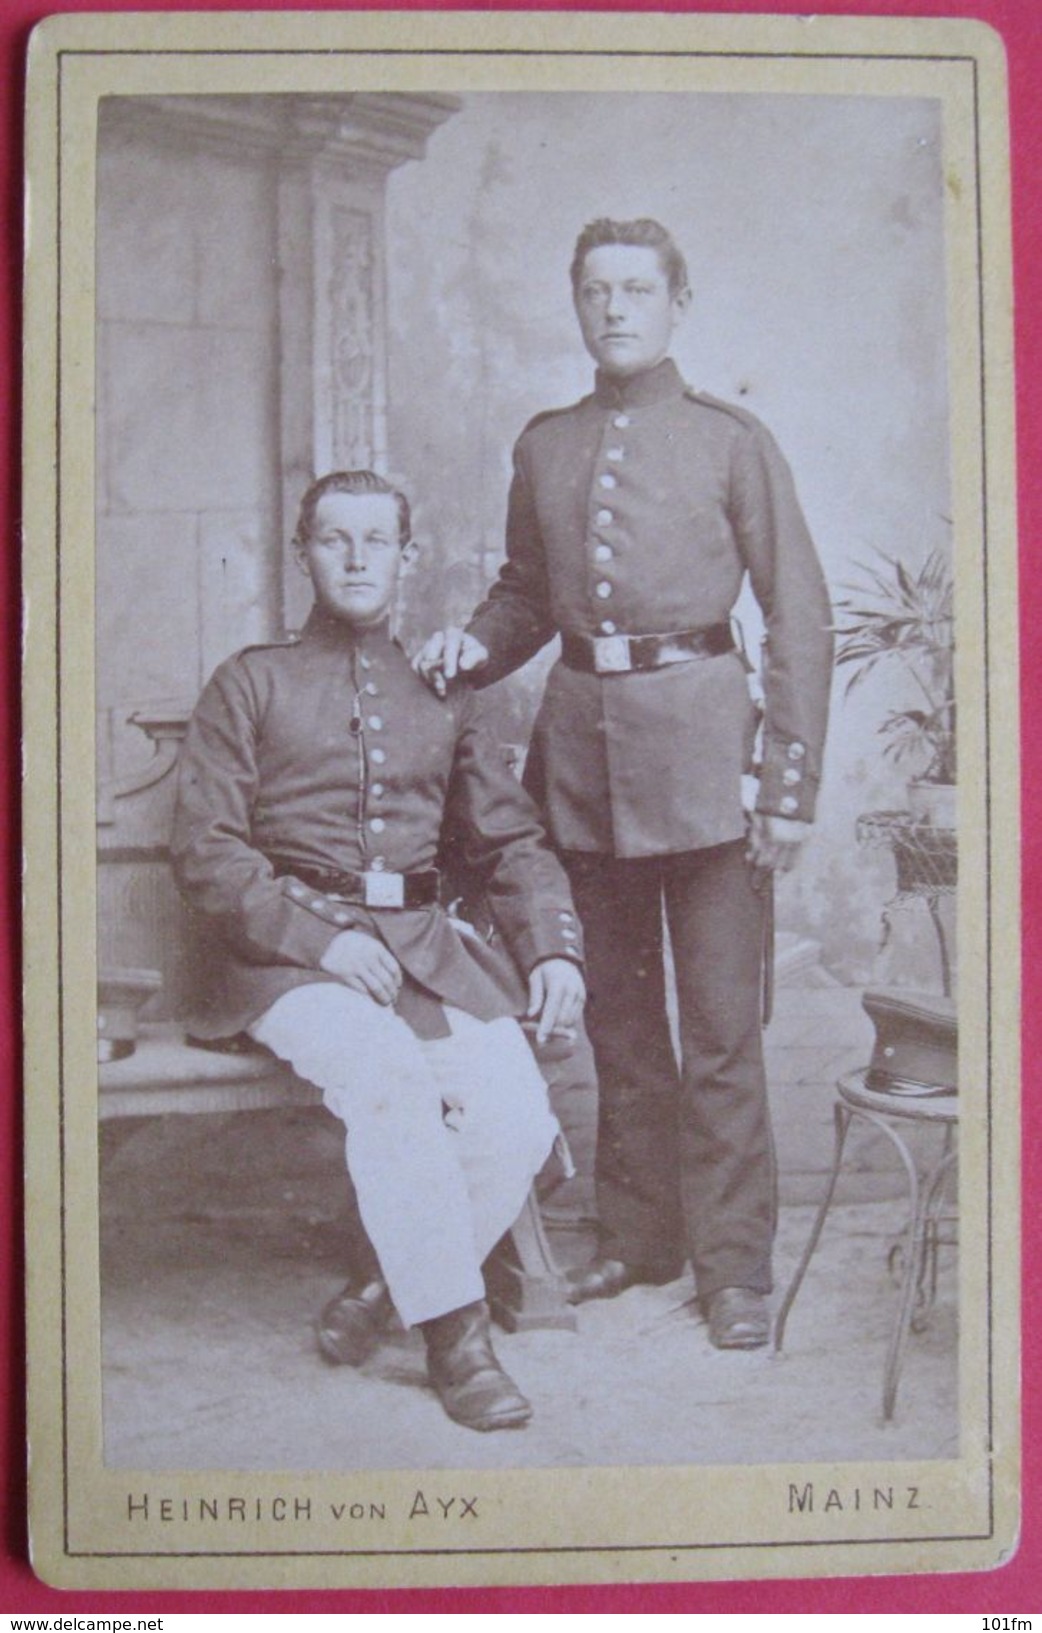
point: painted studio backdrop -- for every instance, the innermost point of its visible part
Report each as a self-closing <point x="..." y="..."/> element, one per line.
<point x="288" y="284"/>
<point x="291" y="284"/>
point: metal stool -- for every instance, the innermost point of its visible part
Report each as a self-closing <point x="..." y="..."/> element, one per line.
<point x="886" y="1111"/>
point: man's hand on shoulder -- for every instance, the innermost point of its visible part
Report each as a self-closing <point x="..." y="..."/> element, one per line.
<point x="775" y="841"/>
<point x="364" y="964"/>
<point x="446" y="654"/>
<point x="556" y="994"/>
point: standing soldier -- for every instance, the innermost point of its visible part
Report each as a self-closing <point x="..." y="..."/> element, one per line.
<point x="633" y="516"/>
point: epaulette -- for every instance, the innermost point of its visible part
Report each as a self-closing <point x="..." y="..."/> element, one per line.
<point x="742" y="415"/>
<point x="291" y="639"/>
<point x="552" y="414"/>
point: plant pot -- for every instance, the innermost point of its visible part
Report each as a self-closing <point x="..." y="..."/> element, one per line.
<point x="933" y="803"/>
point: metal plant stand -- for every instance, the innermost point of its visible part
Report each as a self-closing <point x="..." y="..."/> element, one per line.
<point x="926" y="860"/>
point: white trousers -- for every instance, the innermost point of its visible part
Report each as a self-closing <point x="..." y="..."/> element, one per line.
<point x="444" y="1137"/>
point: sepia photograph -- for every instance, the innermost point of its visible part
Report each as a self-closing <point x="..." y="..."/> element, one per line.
<point x="528" y="598"/>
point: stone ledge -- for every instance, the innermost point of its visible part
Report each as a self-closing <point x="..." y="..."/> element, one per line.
<point x="166" y="1074"/>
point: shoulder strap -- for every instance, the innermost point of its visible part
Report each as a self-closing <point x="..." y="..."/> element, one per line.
<point x="705" y="400"/>
<point x="290" y="640"/>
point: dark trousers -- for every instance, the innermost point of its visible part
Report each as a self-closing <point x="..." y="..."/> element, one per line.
<point x="685" y="1164"/>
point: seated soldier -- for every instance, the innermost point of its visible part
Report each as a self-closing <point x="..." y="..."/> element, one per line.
<point x="317" y="783"/>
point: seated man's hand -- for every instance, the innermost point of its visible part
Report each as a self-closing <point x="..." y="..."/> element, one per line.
<point x="774" y="841"/>
<point x="448" y="653"/>
<point x="364" y="964"/>
<point x="556" y="993"/>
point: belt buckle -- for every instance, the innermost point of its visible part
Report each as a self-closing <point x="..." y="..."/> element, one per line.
<point x="611" y="654"/>
<point x="384" y="889"/>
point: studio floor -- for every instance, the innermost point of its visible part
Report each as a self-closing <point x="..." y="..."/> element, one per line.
<point x="221" y="1241"/>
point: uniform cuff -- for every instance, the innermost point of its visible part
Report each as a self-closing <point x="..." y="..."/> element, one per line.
<point x="549" y="933"/>
<point x="788" y="788"/>
<point x="317" y="924"/>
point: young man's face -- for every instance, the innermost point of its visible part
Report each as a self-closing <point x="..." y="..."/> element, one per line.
<point x="353" y="556"/>
<point x="625" y="309"/>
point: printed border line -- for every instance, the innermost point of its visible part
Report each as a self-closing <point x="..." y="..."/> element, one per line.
<point x="58" y="807"/>
<point x="574" y="1548"/>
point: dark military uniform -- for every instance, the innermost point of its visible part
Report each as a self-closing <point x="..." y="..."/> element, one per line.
<point x="327" y="754"/>
<point x="636" y="513"/>
<point x="319" y="785"/>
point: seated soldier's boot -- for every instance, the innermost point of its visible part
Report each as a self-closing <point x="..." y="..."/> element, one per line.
<point x="462" y="1366"/>
<point x="351" y="1325"/>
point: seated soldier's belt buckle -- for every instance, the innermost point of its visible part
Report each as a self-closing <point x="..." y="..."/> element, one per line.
<point x="376" y="887"/>
<point x="611" y="654"/>
<point x="383" y="889"/>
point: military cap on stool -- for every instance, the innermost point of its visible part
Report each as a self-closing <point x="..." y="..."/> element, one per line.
<point x="916" y="1047"/>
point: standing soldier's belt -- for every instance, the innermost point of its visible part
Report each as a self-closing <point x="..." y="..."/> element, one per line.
<point x="621" y="654"/>
<point x="375" y="888"/>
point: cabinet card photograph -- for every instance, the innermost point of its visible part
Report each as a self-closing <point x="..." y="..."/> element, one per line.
<point x="521" y="800"/>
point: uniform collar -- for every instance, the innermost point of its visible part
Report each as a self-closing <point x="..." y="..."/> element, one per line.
<point x="326" y="627"/>
<point x="639" y="390"/>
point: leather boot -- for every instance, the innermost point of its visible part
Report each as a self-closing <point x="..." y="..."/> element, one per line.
<point x="737" y="1318"/>
<point x="351" y="1324"/>
<point x="470" y="1382"/>
<point x="607" y="1278"/>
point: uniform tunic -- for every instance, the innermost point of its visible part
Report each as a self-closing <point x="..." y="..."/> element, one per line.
<point x="329" y="754"/>
<point x="638" y="511"/>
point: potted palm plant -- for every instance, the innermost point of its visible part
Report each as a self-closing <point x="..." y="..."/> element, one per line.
<point x="898" y="617"/>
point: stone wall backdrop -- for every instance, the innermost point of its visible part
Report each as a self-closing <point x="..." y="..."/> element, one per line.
<point x="813" y="228"/>
<point x="187" y="486"/>
<point x="188" y="468"/>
